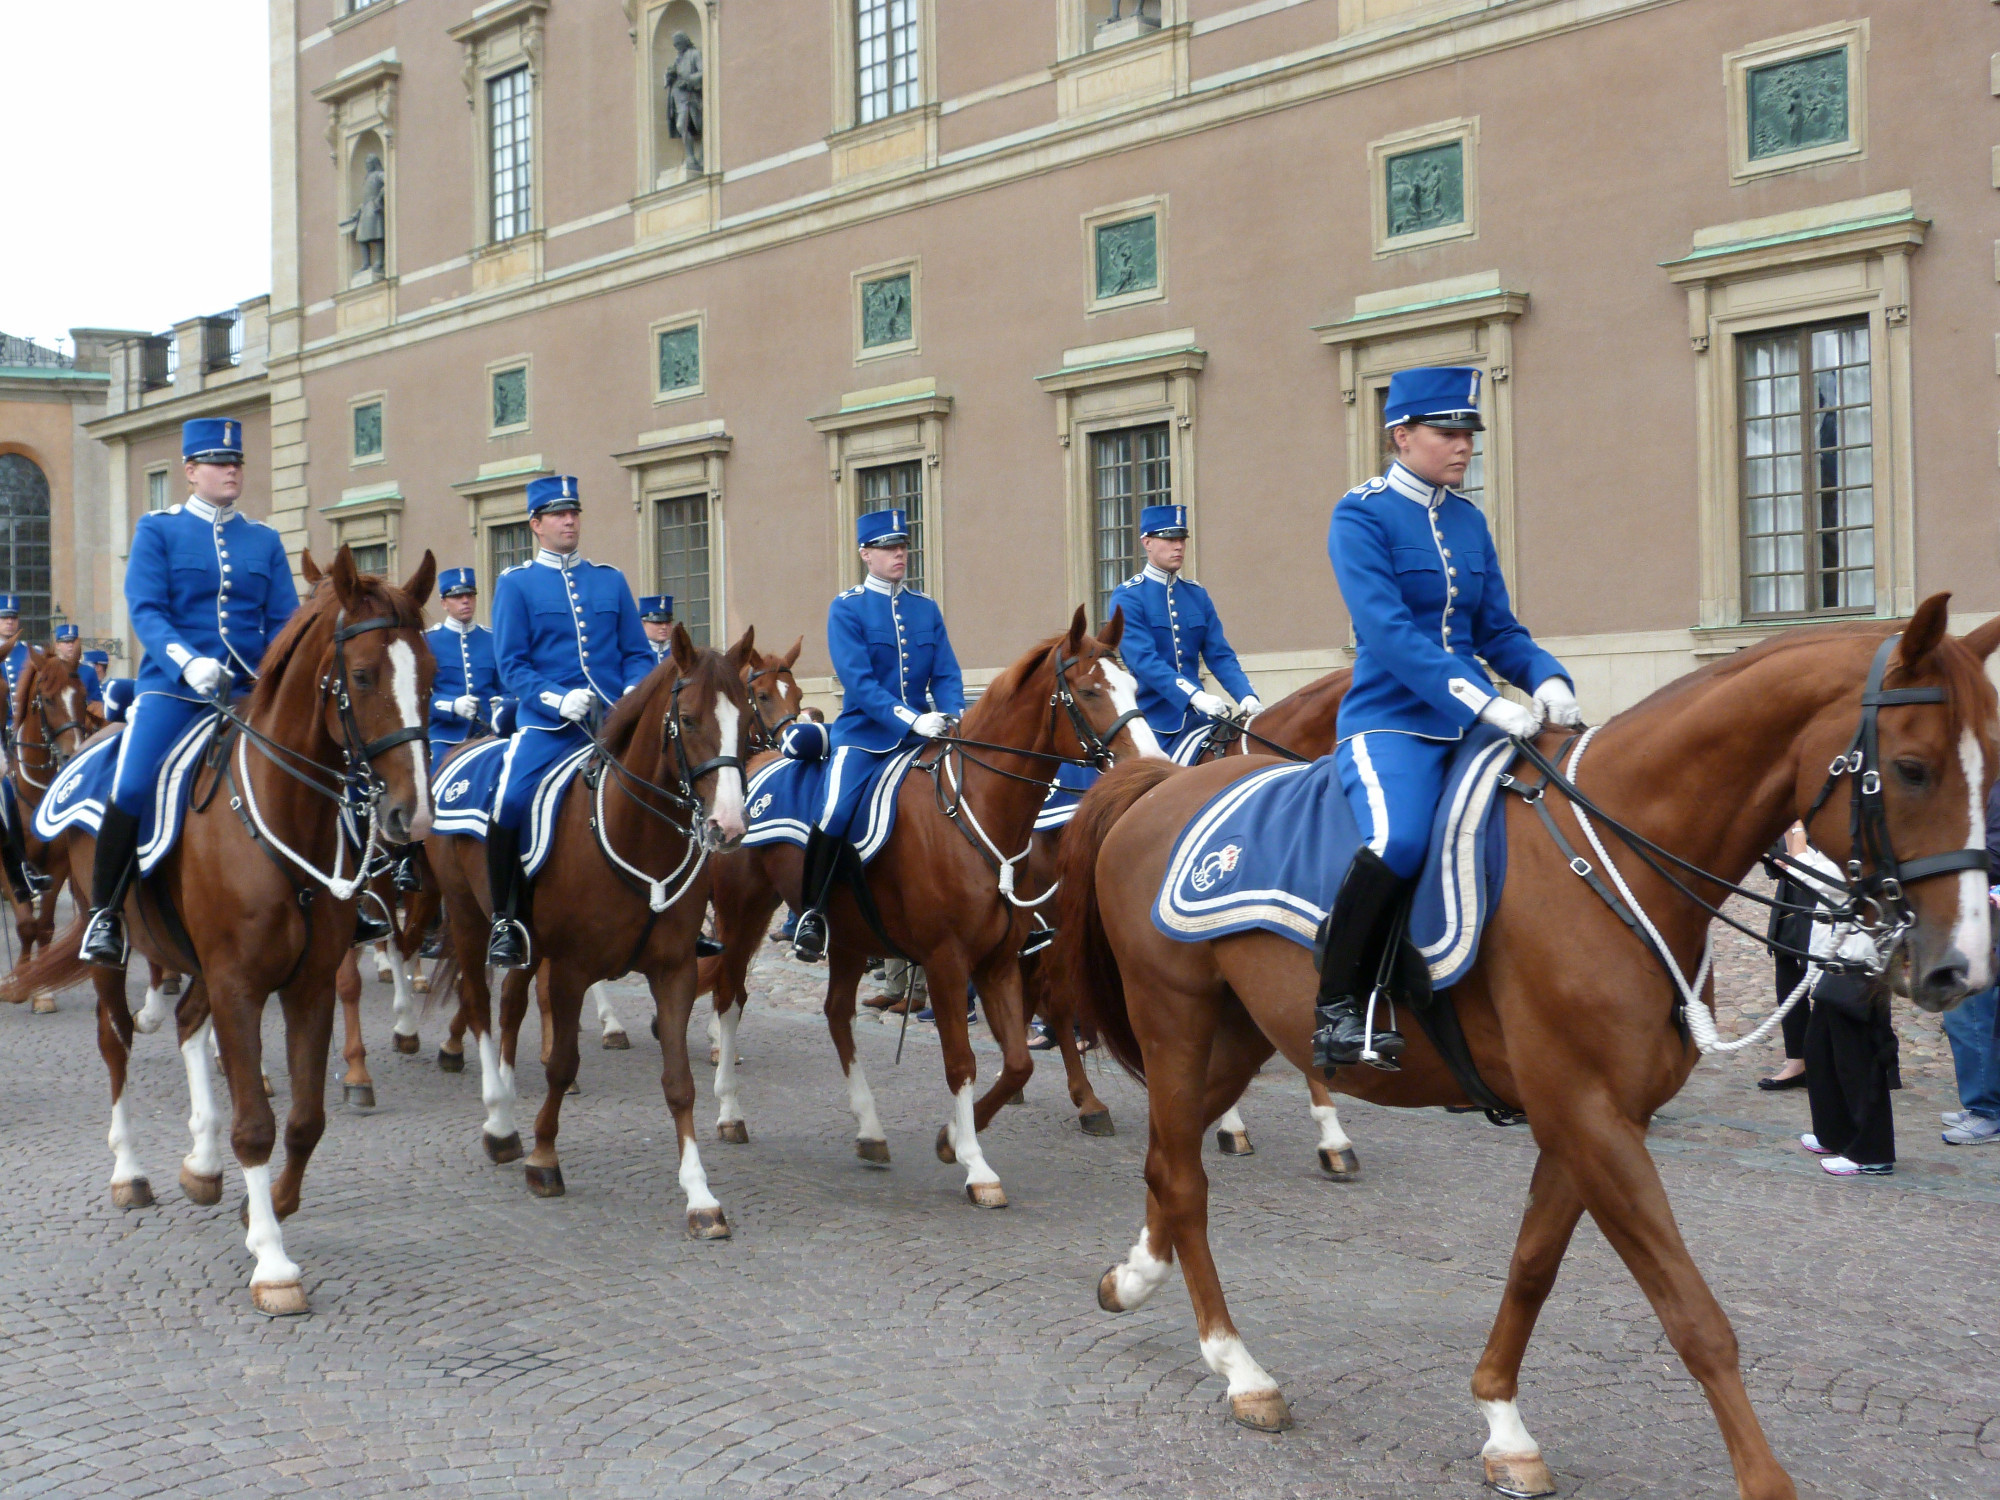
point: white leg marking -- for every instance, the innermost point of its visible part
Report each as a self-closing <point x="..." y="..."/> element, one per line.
<point x="403" y="665"/>
<point x="264" y="1240"/>
<point x="1331" y="1136"/>
<point x="1125" y="698"/>
<point x="727" y="1106"/>
<point x="204" y="1124"/>
<point x="694" y="1181"/>
<point x="861" y="1099"/>
<point x="715" y="1029"/>
<point x="496" y="1088"/>
<point x="1232" y="1121"/>
<point x="727" y="810"/>
<point x="1506" y="1434"/>
<point x="965" y="1140"/>
<point x="153" y="1014"/>
<point x="124" y="1161"/>
<point x="406" y="1000"/>
<point x="1972" y="935"/>
<point x="607" y="1017"/>
<point x="1228" y="1358"/>
<point x="384" y="970"/>
<point x="1139" y="1274"/>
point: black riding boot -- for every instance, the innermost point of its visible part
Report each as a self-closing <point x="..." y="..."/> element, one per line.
<point x="110" y="874"/>
<point x="407" y="877"/>
<point x="822" y="856"/>
<point x="1351" y="941"/>
<point x="706" y="946"/>
<point x="371" y="920"/>
<point x="507" y="948"/>
<point x="22" y="878"/>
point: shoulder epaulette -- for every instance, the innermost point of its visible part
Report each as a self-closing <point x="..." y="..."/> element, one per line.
<point x="172" y="510"/>
<point x="850" y="593"/>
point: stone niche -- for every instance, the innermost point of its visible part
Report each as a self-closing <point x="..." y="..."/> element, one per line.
<point x="667" y="157"/>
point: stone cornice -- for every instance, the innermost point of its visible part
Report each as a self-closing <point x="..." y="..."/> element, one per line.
<point x="1892" y="233"/>
<point x="491" y="18"/>
<point x="251" y="393"/>
<point x="876" y="413"/>
<point x="359" y="79"/>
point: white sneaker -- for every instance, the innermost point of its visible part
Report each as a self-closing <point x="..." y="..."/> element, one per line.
<point x="1973" y="1130"/>
<point x="1840" y="1166"/>
<point x="1954" y="1116"/>
<point x="1811" y="1143"/>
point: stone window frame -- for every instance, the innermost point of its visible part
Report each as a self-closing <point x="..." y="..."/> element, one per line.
<point x="1736" y="70"/>
<point x="362" y="100"/>
<point x="496" y="40"/>
<point x="369" y="515"/>
<point x="1128" y="383"/>
<point x="354" y="404"/>
<point x="896" y="144"/>
<point x="893" y="424"/>
<point x="697" y="320"/>
<point x="165" y="473"/>
<point x="1842" y="260"/>
<point x="497" y="496"/>
<point x="1464" y="130"/>
<point x="669" y="464"/>
<point x="499" y="367"/>
<point x="883" y="271"/>
<point x="647" y="17"/>
<point x="1153" y="206"/>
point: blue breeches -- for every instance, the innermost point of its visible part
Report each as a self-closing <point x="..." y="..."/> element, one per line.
<point x="152" y="724"/>
<point x="848" y="771"/>
<point x="530" y="754"/>
<point x="1393" y="782"/>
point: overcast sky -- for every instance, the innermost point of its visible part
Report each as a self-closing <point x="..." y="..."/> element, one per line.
<point x="135" y="151"/>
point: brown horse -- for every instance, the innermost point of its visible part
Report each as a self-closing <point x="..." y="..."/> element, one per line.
<point x="624" y="888"/>
<point x="394" y="959"/>
<point x="50" y="722"/>
<point x="341" y="690"/>
<point x="961" y="812"/>
<point x="1569" y="1017"/>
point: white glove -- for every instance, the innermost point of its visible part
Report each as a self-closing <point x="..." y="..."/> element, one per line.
<point x="1559" y="704"/>
<point x="1504" y="714"/>
<point x="466" y="707"/>
<point x="1252" y="705"/>
<point x="930" y="725"/>
<point x="576" y="704"/>
<point x="205" y="675"/>
<point x="1208" y="704"/>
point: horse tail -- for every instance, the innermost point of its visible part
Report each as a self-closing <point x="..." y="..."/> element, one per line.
<point x="53" y="969"/>
<point x="1086" y="969"/>
<point x="444" y="981"/>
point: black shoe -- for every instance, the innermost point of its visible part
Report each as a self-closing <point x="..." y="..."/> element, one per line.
<point x="406" y="878"/>
<point x="371" y="921"/>
<point x="1352" y="941"/>
<point x="1775" y="1085"/>
<point x="822" y="859"/>
<point x="434" y="944"/>
<point x="110" y="875"/>
<point x="38" y="883"/>
<point x="104" y="940"/>
<point x="707" y="947"/>
<point x="809" y="937"/>
<point x="507" y="948"/>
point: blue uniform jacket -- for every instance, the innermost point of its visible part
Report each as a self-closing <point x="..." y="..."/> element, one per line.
<point x="564" y="623"/>
<point x="465" y="664"/>
<point x="1171" y="628"/>
<point x="894" y="662"/>
<point x="15" y="665"/>
<point x="118" y="695"/>
<point x="1422" y="583"/>
<point x="93" y="690"/>
<point x="199" y="583"/>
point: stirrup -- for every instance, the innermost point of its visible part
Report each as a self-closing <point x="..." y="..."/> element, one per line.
<point x="406" y="879"/>
<point x="1038" y="938"/>
<point x="38" y="883"/>
<point x="507" y="946"/>
<point x="707" y="947"/>
<point x="104" y="944"/>
<point x="368" y="926"/>
<point x="809" y="937"/>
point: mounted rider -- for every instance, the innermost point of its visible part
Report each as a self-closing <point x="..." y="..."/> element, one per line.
<point x="1171" y="628"/>
<point x="23" y="879"/>
<point x="466" y="691"/>
<point x="1423" y="587"/>
<point x="567" y="639"/>
<point x="69" y="646"/>
<point x="899" y="682"/>
<point x="206" y="588"/>
<point x="656" y="615"/>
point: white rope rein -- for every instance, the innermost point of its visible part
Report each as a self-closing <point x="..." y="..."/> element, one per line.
<point x="1006" y="864"/>
<point x="657" y="895"/>
<point x="338" y="886"/>
<point x="1700" y="1020"/>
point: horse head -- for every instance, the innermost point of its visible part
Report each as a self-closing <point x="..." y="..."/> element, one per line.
<point x="1095" y="700"/>
<point x="51" y="718"/>
<point x="706" y="731"/>
<point x="775" y="700"/>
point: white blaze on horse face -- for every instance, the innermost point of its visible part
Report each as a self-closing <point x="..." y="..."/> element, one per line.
<point x="1226" y="1355"/>
<point x="70" y="710"/>
<point x="1973" y="934"/>
<point x="964" y="1138"/>
<point x="861" y="1099"/>
<point x="727" y="813"/>
<point x="1139" y="1274"/>
<point x="265" y="1240"/>
<point x="1331" y="1136"/>
<point x="496" y="1088"/>
<point x="727" y="1108"/>
<point x="1507" y="1435"/>
<point x="1125" y="698"/>
<point x="783" y="691"/>
<point x="403" y="673"/>
<point x="204" y="1158"/>
<point x="124" y="1161"/>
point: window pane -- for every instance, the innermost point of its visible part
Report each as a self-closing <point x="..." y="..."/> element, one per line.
<point x="512" y="544"/>
<point x="1130" y="469"/>
<point x="899" y="487"/>
<point x="680" y="358"/>
<point x="885" y="58"/>
<point x="156" y="490"/>
<point x="510" y="397"/>
<point x="373" y="558"/>
<point x="368" y="430"/>
<point x="682" y="533"/>
<point x="24" y="541"/>
<point x="509" y="152"/>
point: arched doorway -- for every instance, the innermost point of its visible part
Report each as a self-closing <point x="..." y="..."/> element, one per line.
<point x="24" y="541"/>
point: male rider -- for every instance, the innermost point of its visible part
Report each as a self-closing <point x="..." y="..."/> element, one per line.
<point x="23" y="879"/>
<point x="69" y="646"/>
<point x="466" y="691"/>
<point x="656" y="614"/>
<point x="900" y="682"/>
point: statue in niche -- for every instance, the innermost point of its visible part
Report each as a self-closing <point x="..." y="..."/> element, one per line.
<point x="1138" y="11"/>
<point x="369" y="224"/>
<point x="683" y="85"/>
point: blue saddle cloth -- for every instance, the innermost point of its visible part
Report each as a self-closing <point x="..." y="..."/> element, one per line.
<point x="463" y="790"/>
<point x="1064" y="793"/>
<point x="784" y="797"/>
<point x="1268" y="853"/>
<point x="80" y="794"/>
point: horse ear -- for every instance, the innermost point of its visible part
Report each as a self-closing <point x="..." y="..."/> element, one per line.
<point x="345" y="580"/>
<point x="1925" y="630"/>
<point x="743" y="652"/>
<point x="419" y="585"/>
<point x="1113" y="631"/>
<point x="683" y="648"/>
<point x="1982" y="641"/>
<point x="1078" y="624"/>
<point x="308" y="569"/>
<point x="786" y="661"/>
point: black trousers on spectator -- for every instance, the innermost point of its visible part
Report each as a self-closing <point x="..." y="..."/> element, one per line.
<point x="1850" y="1069"/>
<point x="1790" y="972"/>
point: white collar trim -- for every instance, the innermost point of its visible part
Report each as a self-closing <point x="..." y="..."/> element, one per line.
<point x="1159" y="574"/>
<point x="561" y="561"/>
<point x="463" y="627"/>
<point x="1406" y="484"/>
<point x="881" y="586"/>
<point x="217" y="514"/>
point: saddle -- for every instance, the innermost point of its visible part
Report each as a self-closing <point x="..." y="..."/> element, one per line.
<point x="467" y="781"/>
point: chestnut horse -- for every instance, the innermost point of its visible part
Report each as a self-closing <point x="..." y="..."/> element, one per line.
<point x="261" y="885"/>
<point x="966" y="805"/>
<point x="624" y="888"/>
<point x="1569" y="1017"/>
<point x="51" y="720"/>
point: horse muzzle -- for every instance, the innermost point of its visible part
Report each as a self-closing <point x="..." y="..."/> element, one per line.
<point x="400" y="826"/>
<point x="717" y="837"/>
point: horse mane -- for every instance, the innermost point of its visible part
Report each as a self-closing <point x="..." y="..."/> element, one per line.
<point x="628" y="711"/>
<point x="1011" y="678"/>
<point x="321" y="604"/>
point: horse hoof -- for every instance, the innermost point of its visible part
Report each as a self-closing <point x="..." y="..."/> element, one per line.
<point x="268" y="1090"/>
<point x="420" y="984"/>
<point x="358" y="1095"/>
<point x="707" y="1224"/>
<point x="715" y="1057"/>
<point x="1234" y="1143"/>
<point x="1097" y="1122"/>
<point x="207" y="1191"/>
<point x="735" y="1132"/>
<point x="617" y="1041"/>
<point x="1020" y="1098"/>
<point x="407" y="1045"/>
<point x="875" y="1153"/>
<point x="138" y="1193"/>
<point x="944" y="1151"/>
<point x="985" y="1195"/>
<point x="1339" y="1166"/>
<point x="1519" y="1474"/>
<point x="45" y="1005"/>
<point x="1107" y="1290"/>
<point x="573" y="1091"/>
<point x="279" y="1299"/>
<point x="501" y="1150"/>
<point x="450" y="1062"/>
<point x="543" y="1182"/>
<point x="171" y="985"/>
<point x="1261" y="1411"/>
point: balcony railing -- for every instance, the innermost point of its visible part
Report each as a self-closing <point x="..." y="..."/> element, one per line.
<point x="26" y="354"/>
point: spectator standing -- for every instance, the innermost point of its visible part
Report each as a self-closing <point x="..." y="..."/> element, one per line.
<point x="1973" y="1029"/>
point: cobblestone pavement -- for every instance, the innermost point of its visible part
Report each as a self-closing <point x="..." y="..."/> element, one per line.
<point x="868" y="1332"/>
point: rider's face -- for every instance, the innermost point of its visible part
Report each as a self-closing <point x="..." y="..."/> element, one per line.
<point x="460" y="607"/>
<point x="557" y="530"/>
<point x="70" y="651"/>
<point x="218" y="484"/>
<point x="1436" y="455"/>
<point x="658" y="630"/>
<point x="10" y="627"/>
<point x="1166" y="553"/>
<point x="887" y="563"/>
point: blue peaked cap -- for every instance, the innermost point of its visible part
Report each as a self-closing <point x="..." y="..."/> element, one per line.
<point x="10" y="604"/>
<point x="555" y="492"/>
<point x="657" y="608"/>
<point x="1437" y="396"/>
<point x="101" y="659"/>
<point x="457" y="581"/>
<point x="68" y="633"/>
<point x="1169" y="521"/>
<point x="883" y="528"/>
<point x="213" y="439"/>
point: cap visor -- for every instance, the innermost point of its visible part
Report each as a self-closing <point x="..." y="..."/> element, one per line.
<point x="1451" y="423"/>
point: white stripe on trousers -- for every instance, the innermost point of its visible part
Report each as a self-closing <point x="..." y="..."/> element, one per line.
<point x="1378" y="805"/>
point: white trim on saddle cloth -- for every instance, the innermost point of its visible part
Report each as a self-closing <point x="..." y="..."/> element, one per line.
<point x="878" y="823"/>
<point x="452" y="783"/>
<point x="79" y="794"/>
<point x="1057" y="809"/>
<point x="1188" y="751"/>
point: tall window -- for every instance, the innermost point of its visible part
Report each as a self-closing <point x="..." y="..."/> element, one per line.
<point x="885" y="41"/>
<point x="156" y="489"/>
<point x="1130" y="469"/>
<point x="510" y="152"/>
<point x="899" y="487"/>
<point x="681" y="526"/>
<point x="24" y="540"/>
<point x="1808" y="470"/>
<point x="511" y="544"/>
<point x="371" y="557"/>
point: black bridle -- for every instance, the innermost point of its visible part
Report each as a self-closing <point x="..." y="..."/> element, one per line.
<point x="1096" y="747"/>
<point x="767" y="736"/>
<point x="50" y="743"/>
<point x="683" y="794"/>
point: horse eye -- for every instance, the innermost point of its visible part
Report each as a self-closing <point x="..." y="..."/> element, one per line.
<point x="365" y="681"/>
<point x="1913" y="773"/>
